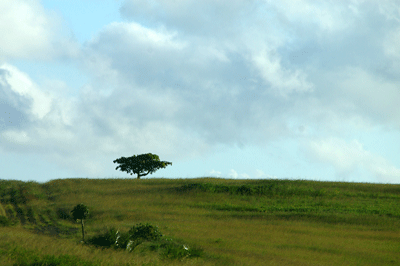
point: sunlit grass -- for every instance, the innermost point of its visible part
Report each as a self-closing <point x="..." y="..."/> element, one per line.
<point x="235" y="222"/>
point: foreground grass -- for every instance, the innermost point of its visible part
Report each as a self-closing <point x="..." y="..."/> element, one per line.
<point x="235" y="222"/>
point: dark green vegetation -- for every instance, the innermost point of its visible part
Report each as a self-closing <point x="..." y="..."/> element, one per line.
<point x="200" y="222"/>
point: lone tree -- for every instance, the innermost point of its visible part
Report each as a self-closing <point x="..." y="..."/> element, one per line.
<point x="80" y="212"/>
<point x="141" y="165"/>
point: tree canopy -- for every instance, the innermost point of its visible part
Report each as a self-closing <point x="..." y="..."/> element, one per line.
<point x="141" y="165"/>
<point x="80" y="211"/>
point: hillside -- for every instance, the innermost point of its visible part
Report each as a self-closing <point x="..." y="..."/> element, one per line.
<point x="207" y="221"/>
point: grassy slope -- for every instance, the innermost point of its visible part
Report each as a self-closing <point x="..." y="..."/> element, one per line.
<point x="236" y="222"/>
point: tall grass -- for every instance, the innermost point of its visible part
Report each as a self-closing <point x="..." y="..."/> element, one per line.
<point x="222" y="221"/>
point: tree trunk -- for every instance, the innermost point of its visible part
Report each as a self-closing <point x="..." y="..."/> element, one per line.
<point x="83" y="231"/>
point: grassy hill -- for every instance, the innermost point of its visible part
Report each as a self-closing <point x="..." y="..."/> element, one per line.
<point x="204" y="221"/>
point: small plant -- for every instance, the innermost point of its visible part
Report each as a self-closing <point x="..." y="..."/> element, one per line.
<point x="80" y="212"/>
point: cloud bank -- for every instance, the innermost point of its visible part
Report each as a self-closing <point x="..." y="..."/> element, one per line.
<point x="182" y="78"/>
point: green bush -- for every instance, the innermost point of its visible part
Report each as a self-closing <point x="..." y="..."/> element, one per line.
<point x="144" y="232"/>
<point x="173" y="250"/>
<point x="107" y="238"/>
<point x="4" y="221"/>
<point x="122" y="240"/>
<point x="110" y="237"/>
<point x="30" y="213"/>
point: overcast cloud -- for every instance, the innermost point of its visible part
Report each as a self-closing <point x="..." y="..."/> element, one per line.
<point x="184" y="78"/>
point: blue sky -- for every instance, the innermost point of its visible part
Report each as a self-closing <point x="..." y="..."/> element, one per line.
<point x="231" y="89"/>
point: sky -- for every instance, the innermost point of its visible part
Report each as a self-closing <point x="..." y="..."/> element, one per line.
<point x="256" y="89"/>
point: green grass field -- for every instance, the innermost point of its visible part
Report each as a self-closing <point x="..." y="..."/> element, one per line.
<point x="204" y="221"/>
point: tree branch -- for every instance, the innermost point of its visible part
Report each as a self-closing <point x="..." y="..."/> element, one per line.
<point x="145" y="174"/>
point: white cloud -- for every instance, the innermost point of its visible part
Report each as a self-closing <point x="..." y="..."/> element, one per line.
<point x="391" y="47"/>
<point x="16" y="137"/>
<point x="344" y="156"/>
<point x="215" y="173"/>
<point x="130" y="53"/>
<point x="259" y="174"/>
<point x="190" y="16"/>
<point x="326" y="16"/>
<point x="282" y="81"/>
<point x="390" y="9"/>
<point x="233" y="174"/>
<point x="374" y="96"/>
<point x="349" y="157"/>
<point x="16" y="85"/>
<point x="39" y="119"/>
<point x="28" y="31"/>
<point x="135" y="34"/>
<point x="245" y="176"/>
<point x="173" y="79"/>
<point x="184" y="77"/>
<point x="59" y="127"/>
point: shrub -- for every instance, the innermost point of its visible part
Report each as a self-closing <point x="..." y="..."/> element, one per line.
<point x="145" y="232"/>
<point x="244" y="190"/>
<point x="4" y="221"/>
<point x="174" y="250"/>
<point x="30" y="213"/>
<point x="110" y="237"/>
<point x="196" y="186"/>
<point x="107" y="238"/>
<point x="63" y="213"/>
<point x="122" y="240"/>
